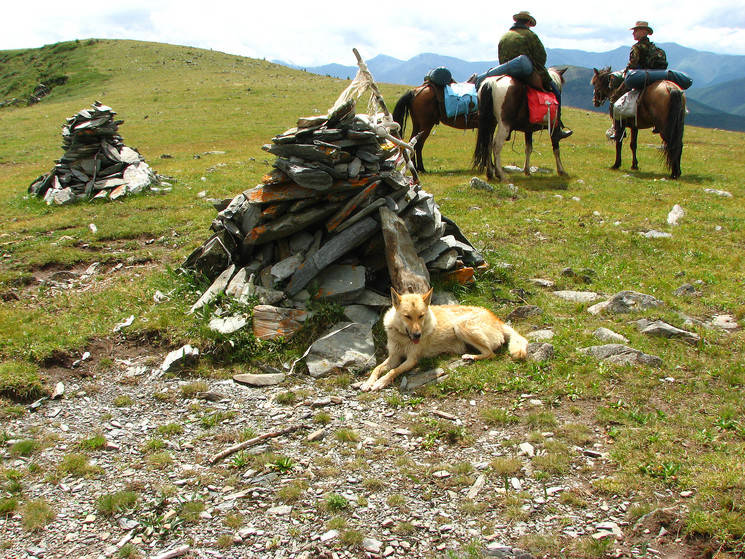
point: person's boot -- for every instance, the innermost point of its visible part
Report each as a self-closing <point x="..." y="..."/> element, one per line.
<point x="564" y="132"/>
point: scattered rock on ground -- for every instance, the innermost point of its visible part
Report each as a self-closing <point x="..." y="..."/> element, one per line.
<point x="577" y="296"/>
<point x="631" y="301"/>
<point x="664" y="330"/>
<point x="687" y="290"/>
<point x="675" y="214"/>
<point x="722" y="193"/>
<point x="267" y="379"/>
<point x="346" y="346"/>
<point x="524" y="311"/>
<point x="620" y="354"/>
<point x="654" y="234"/>
<point x="540" y="351"/>
<point x="607" y="335"/>
<point x="540" y="335"/>
<point x="179" y="358"/>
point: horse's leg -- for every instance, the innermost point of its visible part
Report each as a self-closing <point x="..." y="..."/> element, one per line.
<point x="619" y="142"/>
<point x="528" y="151"/>
<point x="503" y="131"/>
<point x="632" y="145"/>
<point x="555" y="138"/>
<point x="423" y="134"/>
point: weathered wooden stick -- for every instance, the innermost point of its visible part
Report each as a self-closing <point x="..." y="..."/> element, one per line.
<point x="250" y="442"/>
<point x="381" y="102"/>
<point x="177" y="552"/>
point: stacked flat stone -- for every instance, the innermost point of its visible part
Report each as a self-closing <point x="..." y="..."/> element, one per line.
<point x="96" y="164"/>
<point x="328" y="220"/>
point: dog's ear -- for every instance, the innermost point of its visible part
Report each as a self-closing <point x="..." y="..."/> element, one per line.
<point x="395" y="298"/>
<point x="427" y="297"/>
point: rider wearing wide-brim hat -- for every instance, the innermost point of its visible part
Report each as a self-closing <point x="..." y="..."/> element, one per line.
<point x="643" y="50"/>
<point x="521" y="40"/>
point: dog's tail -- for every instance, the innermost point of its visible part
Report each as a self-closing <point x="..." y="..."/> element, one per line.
<point x="518" y="346"/>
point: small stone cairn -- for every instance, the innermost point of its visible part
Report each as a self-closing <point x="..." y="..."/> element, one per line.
<point x="96" y="164"/>
<point x="339" y="218"/>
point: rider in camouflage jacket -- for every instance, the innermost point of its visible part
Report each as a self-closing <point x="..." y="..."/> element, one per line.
<point x="641" y="54"/>
<point x="521" y="40"/>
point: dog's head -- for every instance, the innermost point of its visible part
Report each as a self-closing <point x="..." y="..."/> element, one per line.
<point x="413" y="309"/>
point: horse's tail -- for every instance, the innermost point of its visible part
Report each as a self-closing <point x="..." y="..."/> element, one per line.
<point x="402" y="109"/>
<point x="487" y="126"/>
<point x="673" y="145"/>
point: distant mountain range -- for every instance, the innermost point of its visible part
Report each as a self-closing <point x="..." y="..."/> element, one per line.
<point x="716" y="99"/>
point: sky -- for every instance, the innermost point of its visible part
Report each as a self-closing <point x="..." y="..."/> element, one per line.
<point x="315" y="33"/>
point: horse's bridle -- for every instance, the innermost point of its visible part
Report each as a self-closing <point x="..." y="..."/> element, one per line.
<point x="602" y="90"/>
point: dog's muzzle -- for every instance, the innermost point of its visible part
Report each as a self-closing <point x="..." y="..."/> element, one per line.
<point x="415" y="337"/>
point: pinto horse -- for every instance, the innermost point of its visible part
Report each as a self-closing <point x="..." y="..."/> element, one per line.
<point x="661" y="105"/>
<point x="503" y="107"/>
<point x="422" y="106"/>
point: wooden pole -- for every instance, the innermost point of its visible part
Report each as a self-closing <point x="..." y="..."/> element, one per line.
<point x="250" y="442"/>
<point x="381" y="102"/>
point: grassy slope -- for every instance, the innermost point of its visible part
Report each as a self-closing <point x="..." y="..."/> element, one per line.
<point x="182" y="101"/>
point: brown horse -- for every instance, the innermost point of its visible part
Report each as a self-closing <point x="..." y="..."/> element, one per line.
<point x="661" y="105"/>
<point x="423" y="107"/>
<point x="503" y="107"/>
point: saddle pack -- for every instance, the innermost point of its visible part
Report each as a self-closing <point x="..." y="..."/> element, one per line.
<point x="461" y="99"/>
<point x="639" y="79"/>
<point x="625" y="106"/>
<point x="543" y="108"/>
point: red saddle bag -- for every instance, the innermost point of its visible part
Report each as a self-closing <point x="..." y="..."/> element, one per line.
<point x="539" y="105"/>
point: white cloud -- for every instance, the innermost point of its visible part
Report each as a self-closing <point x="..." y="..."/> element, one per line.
<point x="317" y="33"/>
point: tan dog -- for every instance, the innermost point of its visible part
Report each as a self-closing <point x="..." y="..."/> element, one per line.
<point x="416" y="330"/>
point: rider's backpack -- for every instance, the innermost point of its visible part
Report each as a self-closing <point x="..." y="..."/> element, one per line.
<point x="657" y="58"/>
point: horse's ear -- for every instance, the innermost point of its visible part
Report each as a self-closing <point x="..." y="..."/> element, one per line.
<point x="561" y="72"/>
<point x="596" y="71"/>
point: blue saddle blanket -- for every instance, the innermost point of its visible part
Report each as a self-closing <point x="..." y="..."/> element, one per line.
<point x="639" y="79"/>
<point x="461" y="99"/>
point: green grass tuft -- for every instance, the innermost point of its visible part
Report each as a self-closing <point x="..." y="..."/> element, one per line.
<point x="20" y="381"/>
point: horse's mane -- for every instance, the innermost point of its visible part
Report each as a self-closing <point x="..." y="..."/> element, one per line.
<point x="557" y="74"/>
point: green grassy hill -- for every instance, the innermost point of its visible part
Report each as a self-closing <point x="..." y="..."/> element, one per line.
<point x="210" y="113"/>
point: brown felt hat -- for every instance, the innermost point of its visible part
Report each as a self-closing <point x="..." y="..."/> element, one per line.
<point x="526" y="17"/>
<point x="642" y="25"/>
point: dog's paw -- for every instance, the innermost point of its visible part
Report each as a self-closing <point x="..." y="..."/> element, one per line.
<point x="468" y="357"/>
<point x="380" y="384"/>
<point x="519" y="355"/>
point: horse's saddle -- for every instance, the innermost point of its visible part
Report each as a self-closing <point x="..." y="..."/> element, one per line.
<point x="453" y="99"/>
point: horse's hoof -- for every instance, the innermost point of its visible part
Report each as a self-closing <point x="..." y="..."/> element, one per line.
<point x="563" y="174"/>
<point x="615" y="167"/>
<point x="635" y="167"/>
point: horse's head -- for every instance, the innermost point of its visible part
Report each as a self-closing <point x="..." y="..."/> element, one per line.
<point x="601" y="82"/>
<point x="557" y="75"/>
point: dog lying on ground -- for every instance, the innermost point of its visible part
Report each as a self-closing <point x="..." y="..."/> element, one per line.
<point x="416" y="330"/>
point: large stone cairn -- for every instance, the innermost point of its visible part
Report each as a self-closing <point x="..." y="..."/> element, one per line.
<point x="96" y="163"/>
<point x="337" y="216"/>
